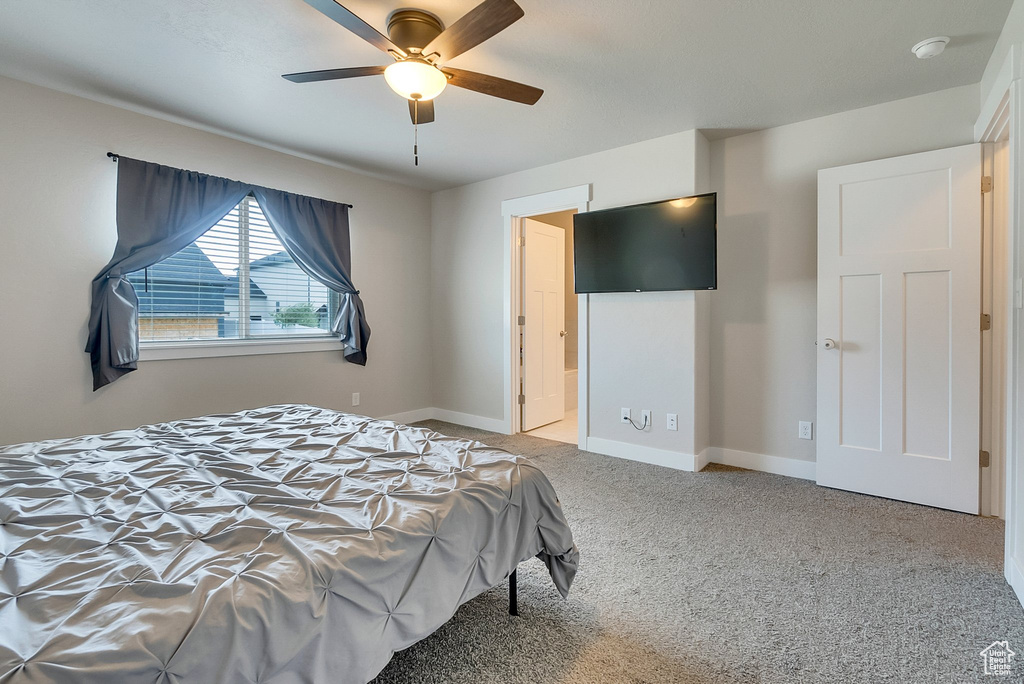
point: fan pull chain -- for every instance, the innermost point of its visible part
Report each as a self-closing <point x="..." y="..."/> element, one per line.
<point x="416" y="133"/>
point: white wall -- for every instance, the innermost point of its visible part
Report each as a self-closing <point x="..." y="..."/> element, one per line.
<point x="637" y="354"/>
<point x="1004" y="71"/>
<point x="57" y="227"/>
<point x="1011" y="39"/>
<point x="763" y="314"/>
<point x="702" y="318"/>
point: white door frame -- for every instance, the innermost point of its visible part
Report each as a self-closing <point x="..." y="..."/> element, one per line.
<point x="1000" y="120"/>
<point x="512" y="211"/>
<point x="543" y="340"/>
<point x="995" y="278"/>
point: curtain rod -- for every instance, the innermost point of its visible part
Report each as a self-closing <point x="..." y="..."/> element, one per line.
<point x="114" y="156"/>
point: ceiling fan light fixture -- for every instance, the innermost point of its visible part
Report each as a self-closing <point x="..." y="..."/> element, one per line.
<point x="415" y="79"/>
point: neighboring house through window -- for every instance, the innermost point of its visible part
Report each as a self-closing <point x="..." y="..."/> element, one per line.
<point x="196" y="293"/>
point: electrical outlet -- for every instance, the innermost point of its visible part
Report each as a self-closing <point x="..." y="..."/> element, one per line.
<point x="355" y="398"/>
<point x="625" y="416"/>
<point x="645" y="418"/>
<point x="806" y="430"/>
<point x="672" y="422"/>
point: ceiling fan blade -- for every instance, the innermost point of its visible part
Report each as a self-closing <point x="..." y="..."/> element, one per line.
<point x="346" y="18"/>
<point x="494" y="86"/>
<point x="333" y="74"/>
<point x="482" y="22"/>
<point x="425" y="111"/>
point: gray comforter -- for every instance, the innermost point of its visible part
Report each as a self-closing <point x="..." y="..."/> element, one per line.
<point x="283" y="544"/>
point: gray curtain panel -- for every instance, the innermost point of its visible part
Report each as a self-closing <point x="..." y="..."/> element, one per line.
<point x="161" y="210"/>
<point x="315" y="234"/>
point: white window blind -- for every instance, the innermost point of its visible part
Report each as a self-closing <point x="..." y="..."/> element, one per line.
<point x="236" y="282"/>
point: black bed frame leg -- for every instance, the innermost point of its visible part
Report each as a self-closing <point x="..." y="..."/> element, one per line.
<point x="513" y="602"/>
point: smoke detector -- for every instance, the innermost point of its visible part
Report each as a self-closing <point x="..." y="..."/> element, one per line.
<point x="931" y="47"/>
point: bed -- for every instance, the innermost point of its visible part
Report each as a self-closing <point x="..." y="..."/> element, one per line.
<point x="283" y="544"/>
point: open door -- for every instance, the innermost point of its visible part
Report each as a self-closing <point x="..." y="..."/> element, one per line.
<point x="899" y="336"/>
<point x="543" y="335"/>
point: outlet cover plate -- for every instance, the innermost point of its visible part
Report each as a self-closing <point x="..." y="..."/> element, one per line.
<point x="672" y="421"/>
<point x="806" y="430"/>
<point x="625" y="416"/>
<point x="355" y="398"/>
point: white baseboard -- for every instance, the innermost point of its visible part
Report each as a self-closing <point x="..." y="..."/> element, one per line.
<point x="702" y="459"/>
<point x="791" y="467"/>
<point x="678" y="460"/>
<point x="469" y="420"/>
<point x="1015" y="576"/>
<point x="413" y="416"/>
<point x="644" y="454"/>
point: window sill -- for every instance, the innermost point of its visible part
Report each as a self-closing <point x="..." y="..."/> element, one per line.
<point x="164" y="351"/>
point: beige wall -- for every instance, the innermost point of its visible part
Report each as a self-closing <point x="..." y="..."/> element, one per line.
<point x="763" y="316"/>
<point x="438" y="323"/>
<point x="563" y="220"/>
<point x="58" y="230"/>
<point x="637" y="354"/>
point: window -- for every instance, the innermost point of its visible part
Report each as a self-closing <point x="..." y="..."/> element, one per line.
<point x="236" y="282"/>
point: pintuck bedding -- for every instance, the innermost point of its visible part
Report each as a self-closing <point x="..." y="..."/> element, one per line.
<point x="284" y="544"/>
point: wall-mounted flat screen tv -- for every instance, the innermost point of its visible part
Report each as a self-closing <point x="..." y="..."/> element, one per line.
<point x="668" y="245"/>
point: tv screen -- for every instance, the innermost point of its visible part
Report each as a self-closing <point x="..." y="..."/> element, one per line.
<point x="668" y="245"/>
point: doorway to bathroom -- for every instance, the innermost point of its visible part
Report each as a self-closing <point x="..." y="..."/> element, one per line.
<point x="549" y="328"/>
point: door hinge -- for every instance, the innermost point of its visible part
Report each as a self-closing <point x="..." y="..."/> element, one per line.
<point x="522" y="399"/>
<point x="986" y="322"/>
<point x="522" y="240"/>
<point x="522" y="320"/>
<point x="986" y="184"/>
<point x="984" y="459"/>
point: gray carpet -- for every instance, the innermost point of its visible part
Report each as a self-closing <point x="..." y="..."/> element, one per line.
<point x="732" y="576"/>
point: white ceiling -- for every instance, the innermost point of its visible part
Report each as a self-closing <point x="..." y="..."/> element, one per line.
<point x="614" y="71"/>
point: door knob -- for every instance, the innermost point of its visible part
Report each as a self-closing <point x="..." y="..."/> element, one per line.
<point x="829" y="343"/>
<point x="562" y="334"/>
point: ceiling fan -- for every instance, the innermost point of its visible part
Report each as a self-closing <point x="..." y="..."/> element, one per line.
<point x="422" y="47"/>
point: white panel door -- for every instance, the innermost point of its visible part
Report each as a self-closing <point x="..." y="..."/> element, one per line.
<point x="899" y="341"/>
<point x="543" y="333"/>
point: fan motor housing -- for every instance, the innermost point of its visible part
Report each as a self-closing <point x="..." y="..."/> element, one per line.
<point x="413" y="28"/>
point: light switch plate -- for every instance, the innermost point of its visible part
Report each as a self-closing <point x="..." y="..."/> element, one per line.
<point x="355" y="398"/>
